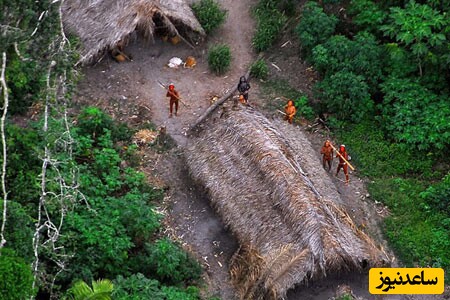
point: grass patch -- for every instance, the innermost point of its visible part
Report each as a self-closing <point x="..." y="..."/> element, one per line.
<point x="270" y="21"/>
<point x="417" y="233"/>
<point x="259" y="69"/>
<point x="376" y="157"/>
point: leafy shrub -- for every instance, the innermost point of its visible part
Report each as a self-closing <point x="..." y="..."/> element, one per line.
<point x="346" y="94"/>
<point x="219" y="58"/>
<point x="315" y="27"/>
<point x="16" y="278"/>
<point x="270" y="21"/>
<point x="259" y="69"/>
<point x="306" y="111"/>
<point x="175" y="293"/>
<point x="173" y="264"/>
<point x="137" y="287"/>
<point x="92" y="122"/>
<point x="399" y="62"/>
<point x="19" y="240"/>
<point x="438" y="195"/>
<point x="23" y="164"/>
<point x="419" y="28"/>
<point x="416" y="116"/>
<point x="24" y="89"/>
<point x="209" y="14"/>
<point x="361" y="56"/>
<point x="367" y="15"/>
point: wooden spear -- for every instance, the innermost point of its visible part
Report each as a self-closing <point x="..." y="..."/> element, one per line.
<point x="340" y="155"/>
<point x="164" y="87"/>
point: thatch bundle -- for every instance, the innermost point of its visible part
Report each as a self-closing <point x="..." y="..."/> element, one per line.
<point x="287" y="231"/>
<point x="102" y="24"/>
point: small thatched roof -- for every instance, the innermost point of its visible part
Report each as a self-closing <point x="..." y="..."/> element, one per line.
<point x="101" y="24"/>
<point x="288" y="232"/>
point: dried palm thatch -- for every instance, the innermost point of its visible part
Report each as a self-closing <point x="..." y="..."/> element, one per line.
<point x="288" y="232"/>
<point x="102" y="24"/>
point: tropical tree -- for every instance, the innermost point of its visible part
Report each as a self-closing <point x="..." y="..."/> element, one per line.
<point x="346" y="94"/>
<point x="315" y="27"/>
<point x="418" y="28"/>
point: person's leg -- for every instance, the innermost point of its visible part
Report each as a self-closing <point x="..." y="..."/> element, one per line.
<point x="338" y="169"/>
<point x="329" y="165"/>
<point x="171" y="107"/>
<point x="346" y="173"/>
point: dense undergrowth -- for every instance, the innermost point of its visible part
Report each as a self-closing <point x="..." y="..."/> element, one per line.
<point x="112" y="231"/>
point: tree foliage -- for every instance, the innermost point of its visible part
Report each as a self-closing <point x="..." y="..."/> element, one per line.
<point x="109" y="230"/>
<point x="137" y="287"/>
<point x="173" y="265"/>
<point x="418" y="27"/>
<point x="315" y="27"/>
<point x="367" y="15"/>
<point x="414" y="115"/>
<point x="30" y="37"/>
<point x="16" y="277"/>
<point x="346" y="94"/>
<point x="361" y="56"/>
<point x="438" y="196"/>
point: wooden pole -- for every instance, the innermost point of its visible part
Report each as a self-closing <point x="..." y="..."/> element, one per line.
<point x="351" y="167"/>
<point x="215" y="105"/>
<point x="164" y="87"/>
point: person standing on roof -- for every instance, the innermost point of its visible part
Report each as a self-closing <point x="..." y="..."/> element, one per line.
<point x="243" y="88"/>
<point x="343" y="156"/>
<point x="327" y="152"/>
<point x="174" y="97"/>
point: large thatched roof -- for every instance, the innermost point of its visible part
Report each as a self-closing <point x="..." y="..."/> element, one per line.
<point x="101" y="24"/>
<point x="288" y="232"/>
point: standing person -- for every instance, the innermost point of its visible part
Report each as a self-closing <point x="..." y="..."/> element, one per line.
<point x="174" y="97"/>
<point x="327" y="152"/>
<point x="243" y="88"/>
<point x="290" y="111"/>
<point x="342" y="163"/>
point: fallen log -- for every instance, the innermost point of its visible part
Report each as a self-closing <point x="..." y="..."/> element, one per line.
<point x="216" y="104"/>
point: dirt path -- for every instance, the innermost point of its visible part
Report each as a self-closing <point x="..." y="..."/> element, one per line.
<point x="129" y="91"/>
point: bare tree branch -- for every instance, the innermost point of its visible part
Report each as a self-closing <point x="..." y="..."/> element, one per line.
<point x="46" y="159"/>
<point x="2" y="129"/>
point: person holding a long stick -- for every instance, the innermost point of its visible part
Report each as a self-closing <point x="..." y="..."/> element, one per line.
<point x="172" y="93"/>
<point x="343" y="160"/>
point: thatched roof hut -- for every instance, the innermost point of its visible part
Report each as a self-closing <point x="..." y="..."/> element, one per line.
<point x="101" y="24"/>
<point x="287" y="231"/>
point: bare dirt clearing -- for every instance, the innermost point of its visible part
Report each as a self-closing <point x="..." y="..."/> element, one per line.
<point x="130" y="92"/>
